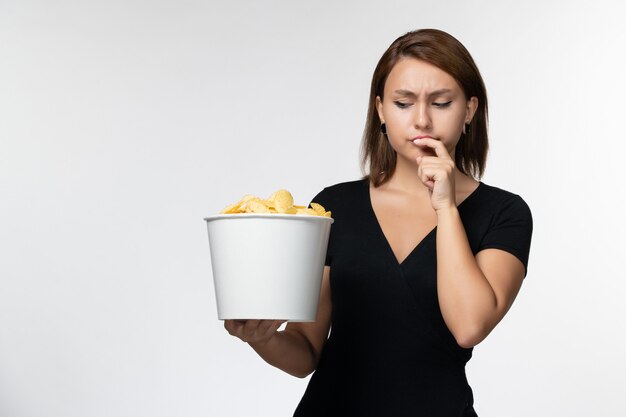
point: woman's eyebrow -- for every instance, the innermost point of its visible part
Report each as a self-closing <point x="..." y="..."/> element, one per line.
<point x="408" y="93"/>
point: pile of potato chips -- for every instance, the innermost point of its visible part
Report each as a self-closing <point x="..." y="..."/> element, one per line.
<point x="280" y="202"/>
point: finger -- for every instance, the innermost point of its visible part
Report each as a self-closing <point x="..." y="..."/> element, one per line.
<point x="264" y="326"/>
<point x="431" y="169"/>
<point x="436" y="145"/>
<point x="426" y="174"/>
<point x="435" y="165"/>
<point x="429" y="183"/>
<point x="233" y="327"/>
<point x="230" y="325"/>
<point x="423" y="159"/>
<point x="267" y="329"/>
<point x="277" y="323"/>
<point x="250" y="328"/>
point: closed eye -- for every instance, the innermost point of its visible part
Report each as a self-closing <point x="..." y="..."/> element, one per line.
<point x="442" y="105"/>
<point x="401" y="104"/>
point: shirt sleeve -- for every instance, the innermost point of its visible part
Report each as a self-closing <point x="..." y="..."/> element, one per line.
<point x="511" y="230"/>
<point x="324" y="198"/>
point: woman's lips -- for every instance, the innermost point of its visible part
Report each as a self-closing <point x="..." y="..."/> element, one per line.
<point x="422" y="137"/>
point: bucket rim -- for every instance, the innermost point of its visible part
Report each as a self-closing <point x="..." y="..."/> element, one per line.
<point x="299" y="217"/>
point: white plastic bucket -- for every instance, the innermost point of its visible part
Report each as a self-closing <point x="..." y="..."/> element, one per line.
<point x="268" y="266"/>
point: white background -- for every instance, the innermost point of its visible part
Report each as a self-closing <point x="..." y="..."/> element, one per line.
<point x="124" y="123"/>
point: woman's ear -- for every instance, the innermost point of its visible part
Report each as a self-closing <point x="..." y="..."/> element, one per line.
<point x="379" y="109"/>
<point x="472" y="106"/>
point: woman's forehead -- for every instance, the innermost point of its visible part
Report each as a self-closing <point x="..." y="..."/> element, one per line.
<point x="410" y="74"/>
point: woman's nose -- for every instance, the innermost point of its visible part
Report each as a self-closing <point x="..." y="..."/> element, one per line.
<point x="422" y="117"/>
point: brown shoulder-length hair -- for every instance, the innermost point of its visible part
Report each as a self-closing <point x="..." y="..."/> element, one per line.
<point x="442" y="50"/>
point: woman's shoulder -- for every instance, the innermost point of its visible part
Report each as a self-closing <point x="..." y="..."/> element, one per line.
<point x="343" y="191"/>
<point x="497" y="194"/>
<point x="353" y="185"/>
<point x="501" y="199"/>
<point x="501" y="219"/>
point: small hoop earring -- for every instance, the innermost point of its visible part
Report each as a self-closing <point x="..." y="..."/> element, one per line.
<point x="383" y="129"/>
<point x="466" y="128"/>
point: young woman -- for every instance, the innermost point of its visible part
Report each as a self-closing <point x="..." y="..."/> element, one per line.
<point x="424" y="259"/>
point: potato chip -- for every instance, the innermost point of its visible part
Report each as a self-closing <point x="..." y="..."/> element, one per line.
<point x="307" y="211"/>
<point x="256" y="206"/>
<point x="232" y="208"/>
<point x="280" y="202"/>
<point x="269" y="203"/>
<point x="318" y="208"/>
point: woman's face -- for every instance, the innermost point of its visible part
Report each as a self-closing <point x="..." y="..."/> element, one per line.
<point x="423" y="100"/>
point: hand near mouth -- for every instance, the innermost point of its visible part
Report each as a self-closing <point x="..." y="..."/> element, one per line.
<point x="437" y="173"/>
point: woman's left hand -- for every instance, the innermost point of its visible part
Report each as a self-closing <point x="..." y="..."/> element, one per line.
<point x="437" y="173"/>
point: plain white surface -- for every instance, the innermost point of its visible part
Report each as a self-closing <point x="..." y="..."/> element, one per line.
<point x="124" y="123"/>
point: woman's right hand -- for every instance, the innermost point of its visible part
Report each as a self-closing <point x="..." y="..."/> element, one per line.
<point x="296" y="349"/>
<point x="254" y="332"/>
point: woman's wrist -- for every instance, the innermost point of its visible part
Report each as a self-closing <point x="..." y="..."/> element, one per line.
<point x="447" y="212"/>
